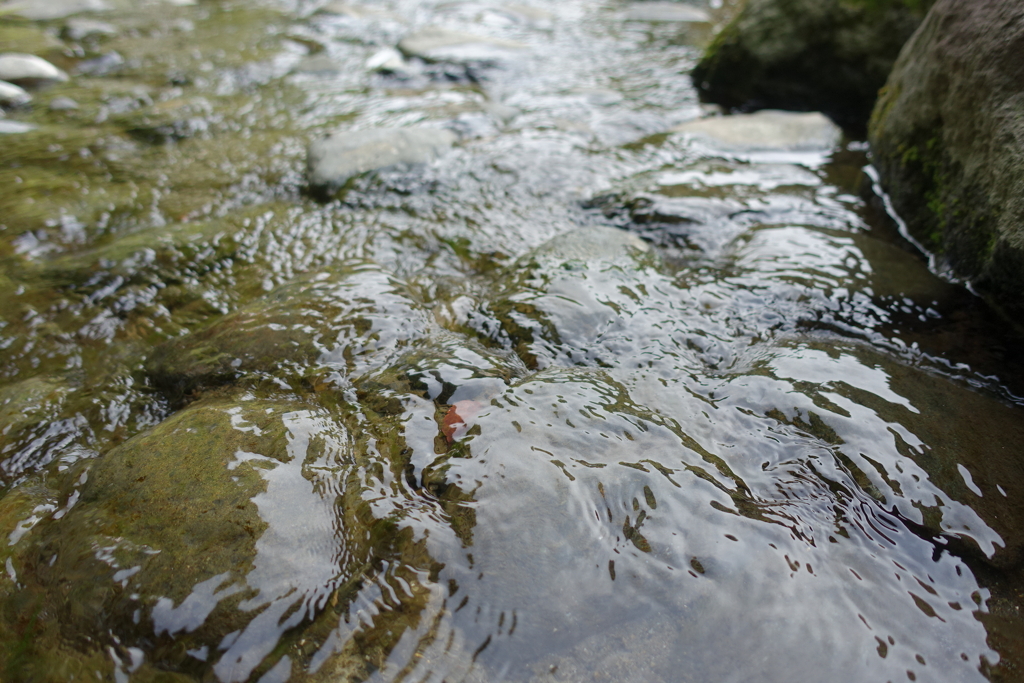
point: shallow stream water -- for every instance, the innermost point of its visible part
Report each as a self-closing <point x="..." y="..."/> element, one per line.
<point x="582" y="400"/>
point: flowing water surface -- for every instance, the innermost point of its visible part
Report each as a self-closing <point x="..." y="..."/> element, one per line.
<point x="582" y="400"/>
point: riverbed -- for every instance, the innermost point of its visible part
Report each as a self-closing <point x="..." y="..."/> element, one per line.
<point x="591" y="394"/>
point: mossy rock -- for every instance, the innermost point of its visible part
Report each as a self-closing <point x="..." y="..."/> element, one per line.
<point x="808" y="55"/>
<point x="349" y="320"/>
<point x="947" y="138"/>
<point x="227" y="511"/>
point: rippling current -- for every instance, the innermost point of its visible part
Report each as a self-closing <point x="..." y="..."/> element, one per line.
<point x="583" y="400"/>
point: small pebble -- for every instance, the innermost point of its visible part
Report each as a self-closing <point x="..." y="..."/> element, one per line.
<point x="48" y="10"/>
<point x="12" y="95"/>
<point x="387" y="60"/>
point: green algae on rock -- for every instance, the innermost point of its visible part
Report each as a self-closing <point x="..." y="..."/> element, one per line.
<point x="948" y="142"/>
<point x="184" y="535"/>
<point x="811" y="55"/>
<point x="342" y="321"/>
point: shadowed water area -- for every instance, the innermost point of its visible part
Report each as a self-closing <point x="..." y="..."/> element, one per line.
<point x="580" y="399"/>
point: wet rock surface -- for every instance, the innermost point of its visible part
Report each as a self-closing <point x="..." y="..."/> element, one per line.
<point x="333" y="160"/>
<point x="44" y="10"/>
<point x="808" y="55"/>
<point x="947" y="146"/>
<point x="666" y="12"/>
<point x="12" y="95"/>
<point x="766" y="130"/>
<point x="22" y="69"/>
<point x="556" y="375"/>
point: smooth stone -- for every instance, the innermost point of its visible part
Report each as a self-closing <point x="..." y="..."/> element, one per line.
<point x="14" y="127"/>
<point x="830" y="56"/>
<point x="387" y="60"/>
<point x="666" y="12"/>
<point x="333" y="160"/>
<point x="45" y="10"/>
<point x="12" y="95"/>
<point x="20" y="68"/>
<point x="591" y="244"/>
<point x="63" y="104"/>
<point x="80" y="29"/>
<point x="766" y="130"/>
<point x="441" y="45"/>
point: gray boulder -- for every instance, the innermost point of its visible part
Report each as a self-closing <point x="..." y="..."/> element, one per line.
<point x="809" y="55"/>
<point x="948" y="141"/>
<point x="333" y="160"/>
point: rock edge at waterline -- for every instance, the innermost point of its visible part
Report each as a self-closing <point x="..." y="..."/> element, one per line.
<point x="947" y="139"/>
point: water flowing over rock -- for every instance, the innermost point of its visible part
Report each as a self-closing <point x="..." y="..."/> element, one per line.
<point x="766" y="130"/>
<point x="335" y="159"/>
<point x="809" y="55"/>
<point x="950" y="148"/>
<point x="536" y="369"/>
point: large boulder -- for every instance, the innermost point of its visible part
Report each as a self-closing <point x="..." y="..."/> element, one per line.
<point x="808" y="55"/>
<point x="948" y="141"/>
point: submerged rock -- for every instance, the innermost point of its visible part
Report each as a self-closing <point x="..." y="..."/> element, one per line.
<point x="12" y="95"/>
<point x="441" y="45"/>
<point x="766" y="131"/>
<point x="333" y="160"/>
<point x="236" y="516"/>
<point x="816" y="55"/>
<point x="387" y="60"/>
<point x="164" y="122"/>
<point x="666" y="12"/>
<point x="22" y="69"/>
<point x="344" y="322"/>
<point x="572" y="300"/>
<point x="948" y="142"/>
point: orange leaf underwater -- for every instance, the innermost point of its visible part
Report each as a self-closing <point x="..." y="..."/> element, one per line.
<point x="458" y="419"/>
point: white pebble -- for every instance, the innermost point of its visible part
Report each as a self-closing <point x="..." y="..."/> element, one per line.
<point x="16" y="67"/>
